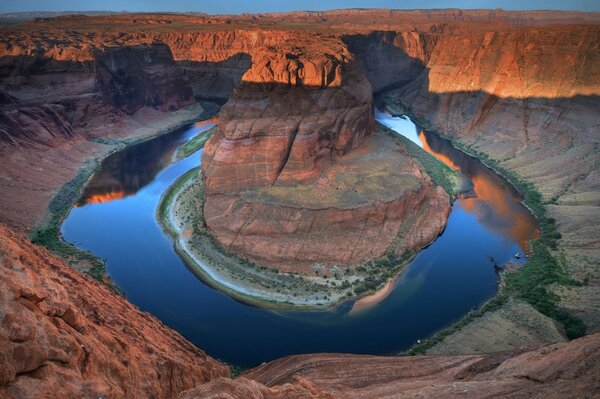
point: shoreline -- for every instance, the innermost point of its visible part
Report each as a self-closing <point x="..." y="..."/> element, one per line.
<point x="514" y="287"/>
<point x="167" y="204"/>
<point x="166" y="217"/>
<point x="47" y="232"/>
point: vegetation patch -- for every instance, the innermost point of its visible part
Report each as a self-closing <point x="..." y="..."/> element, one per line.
<point x="533" y="282"/>
<point x="50" y="237"/>
<point x="194" y="144"/>
<point x="440" y="174"/>
<point x="493" y="304"/>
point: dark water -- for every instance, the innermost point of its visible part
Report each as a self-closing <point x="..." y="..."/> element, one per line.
<point x="116" y="220"/>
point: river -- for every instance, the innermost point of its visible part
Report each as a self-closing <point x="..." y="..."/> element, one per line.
<point x="115" y="220"/>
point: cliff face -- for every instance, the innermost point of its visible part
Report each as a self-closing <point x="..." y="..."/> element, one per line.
<point x="58" y="103"/>
<point x="52" y="97"/>
<point x="292" y="180"/>
<point x="525" y="97"/>
<point x="134" y="77"/>
<point x="288" y="115"/>
<point x="63" y="333"/>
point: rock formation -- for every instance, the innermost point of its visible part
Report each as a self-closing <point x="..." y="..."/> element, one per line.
<point x="286" y="183"/>
<point x="520" y="87"/>
<point x="560" y="370"/>
<point x="369" y="202"/>
<point x="63" y="333"/>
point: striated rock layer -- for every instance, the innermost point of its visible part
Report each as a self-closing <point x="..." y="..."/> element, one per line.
<point x="62" y="332"/>
<point x="566" y="370"/>
<point x="290" y="181"/>
<point x="372" y="201"/>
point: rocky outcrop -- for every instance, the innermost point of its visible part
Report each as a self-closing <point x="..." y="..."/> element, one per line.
<point x="288" y="115"/>
<point x="372" y="201"/>
<point x="62" y="332"/>
<point x="293" y="182"/>
<point x="291" y="121"/>
<point x="560" y="370"/>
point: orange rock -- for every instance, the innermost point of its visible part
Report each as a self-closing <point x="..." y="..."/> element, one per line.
<point x="64" y="334"/>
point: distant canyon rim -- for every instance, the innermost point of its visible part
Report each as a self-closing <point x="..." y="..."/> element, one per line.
<point x="293" y="176"/>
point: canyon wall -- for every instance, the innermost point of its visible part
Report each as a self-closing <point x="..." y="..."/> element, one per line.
<point x="526" y="98"/>
<point x="63" y="333"/>
<point x="64" y="106"/>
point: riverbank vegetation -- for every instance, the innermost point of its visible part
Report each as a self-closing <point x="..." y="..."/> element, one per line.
<point x="194" y="144"/>
<point x="534" y="282"/>
<point x="49" y="236"/>
<point x="440" y="174"/>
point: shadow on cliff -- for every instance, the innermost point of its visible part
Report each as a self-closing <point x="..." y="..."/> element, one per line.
<point x="400" y="77"/>
<point x="215" y="81"/>
<point x="44" y="100"/>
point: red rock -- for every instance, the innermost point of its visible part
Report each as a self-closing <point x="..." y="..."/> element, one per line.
<point x="352" y="212"/>
<point x="64" y="334"/>
<point x="565" y="370"/>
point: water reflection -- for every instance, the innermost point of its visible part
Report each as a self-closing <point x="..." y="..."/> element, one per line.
<point x="445" y="280"/>
<point x="495" y="203"/>
<point x="124" y="173"/>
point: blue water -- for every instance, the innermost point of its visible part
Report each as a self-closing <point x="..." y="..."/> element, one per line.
<point x="445" y="280"/>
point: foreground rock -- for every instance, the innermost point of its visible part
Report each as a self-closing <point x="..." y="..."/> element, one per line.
<point x="64" y="335"/>
<point x="566" y="370"/>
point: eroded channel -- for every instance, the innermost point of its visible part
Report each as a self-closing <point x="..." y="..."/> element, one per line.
<point x="115" y="219"/>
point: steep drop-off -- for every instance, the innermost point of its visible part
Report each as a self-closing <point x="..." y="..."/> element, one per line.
<point x="519" y="87"/>
<point x="62" y="332"/>
<point x="289" y="179"/>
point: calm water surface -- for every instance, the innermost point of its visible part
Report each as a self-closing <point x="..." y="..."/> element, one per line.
<point x="115" y="219"/>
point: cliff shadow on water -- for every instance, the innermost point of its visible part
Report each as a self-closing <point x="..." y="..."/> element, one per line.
<point x="540" y="135"/>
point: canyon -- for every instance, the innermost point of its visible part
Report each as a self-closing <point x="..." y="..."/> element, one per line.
<point x="64" y="332"/>
<point x="294" y="139"/>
